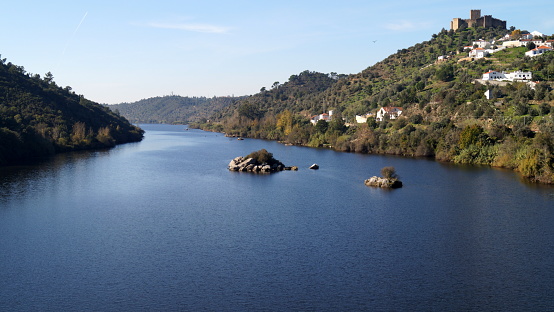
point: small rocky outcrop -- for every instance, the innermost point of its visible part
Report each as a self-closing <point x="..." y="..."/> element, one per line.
<point x="314" y="166"/>
<point x="258" y="162"/>
<point x="383" y="182"/>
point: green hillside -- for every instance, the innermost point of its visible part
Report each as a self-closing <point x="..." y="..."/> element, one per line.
<point x="445" y="112"/>
<point x="173" y="109"/>
<point x="39" y="118"/>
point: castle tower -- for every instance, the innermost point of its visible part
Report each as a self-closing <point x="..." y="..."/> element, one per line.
<point x="474" y="14"/>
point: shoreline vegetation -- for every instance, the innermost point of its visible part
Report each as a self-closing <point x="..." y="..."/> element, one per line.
<point x="446" y="115"/>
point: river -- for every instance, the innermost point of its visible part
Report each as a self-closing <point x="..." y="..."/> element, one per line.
<point x="163" y="225"/>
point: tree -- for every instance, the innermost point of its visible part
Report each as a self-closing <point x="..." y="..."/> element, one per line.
<point x="371" y="122"/>
<point x="284" y="121"/>
<point x="48" y="77"/>
<point x="321" y="126"/>
<point x="337" y="123"/>
<point x="471" y="135"/>
<point x="249" y="111"/>
<point x="531" y="45"/>
<point x="445" y="73"/>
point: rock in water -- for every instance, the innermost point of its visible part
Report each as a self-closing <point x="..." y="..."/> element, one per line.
<point x="383" y="182"/>
<point x="250" y="164"/>
<point x="314" y="166"/>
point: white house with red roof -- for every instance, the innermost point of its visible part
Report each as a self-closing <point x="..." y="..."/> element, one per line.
<point x="391" y="112"/>
<point x="324" y="116"/>
<point x="538" y="51"/>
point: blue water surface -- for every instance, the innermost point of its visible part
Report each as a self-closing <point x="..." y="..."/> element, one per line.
<point x="163" y="225"/>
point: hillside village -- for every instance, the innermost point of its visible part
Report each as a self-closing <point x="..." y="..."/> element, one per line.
<point x="432" y="99"/>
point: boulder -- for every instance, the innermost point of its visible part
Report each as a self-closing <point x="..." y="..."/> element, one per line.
<point x="244" y="164"/>
<point x="314" y="166"/>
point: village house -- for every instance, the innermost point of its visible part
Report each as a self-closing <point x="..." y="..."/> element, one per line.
<point x="324" y="116"/>
<point x="525" y="42"/>
<point x="481" y="44"/>
<point x="522" y="43"/>
<point x="390" y="112"/>
<point x="514" y="76"/>
<point x="479" y="53"/>
<point x="538" y="51"/>
<point x="526" y="36"/>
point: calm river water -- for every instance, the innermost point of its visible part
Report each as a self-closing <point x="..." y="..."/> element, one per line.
<point x="163" y="225"/>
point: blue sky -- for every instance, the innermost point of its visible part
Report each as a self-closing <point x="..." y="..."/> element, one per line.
<point x="124" y="51"/>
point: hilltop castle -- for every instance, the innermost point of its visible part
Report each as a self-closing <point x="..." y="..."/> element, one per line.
<point x="476" y="20"/>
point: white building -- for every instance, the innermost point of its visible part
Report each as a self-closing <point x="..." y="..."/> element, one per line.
<point x="324" y="116"/>
<point x="537" y="34"/>
<point x="511" y="44"/>
<point x="481" y="44"/>
<point x="364" y="118"/>
<point x="525" y="42"/>
<point x="479" y="53"/>
<point x="488" y="94"/>
<point x="538" y="51"/>
<point x="526" y="36"/>
<point x="391" y="112"/>
<point x="514" y="76"/>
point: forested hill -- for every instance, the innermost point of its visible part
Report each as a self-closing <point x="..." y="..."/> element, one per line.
<point x="445" y="112"/>
<point x="301" y="93"/>
<point x="173" y="109"/>
<point x="39" y="118"/>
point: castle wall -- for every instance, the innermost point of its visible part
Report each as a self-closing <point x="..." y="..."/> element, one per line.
<point x="476" y="20"/>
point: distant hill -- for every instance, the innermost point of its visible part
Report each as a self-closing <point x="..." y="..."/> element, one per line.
<point x="173" y="109"/>
<point x="39" y="118"/>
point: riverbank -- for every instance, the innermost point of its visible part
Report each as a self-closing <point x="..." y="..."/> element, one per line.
<point x="528" y="153"/>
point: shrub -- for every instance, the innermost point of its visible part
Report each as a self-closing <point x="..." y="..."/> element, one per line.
<point x="263" y="157"/>
<point x="389" y="172"/>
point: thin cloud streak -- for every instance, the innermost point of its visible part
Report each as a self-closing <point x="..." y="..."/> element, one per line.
<point x="71" y="38"/>
<point x="202" y="28"/>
